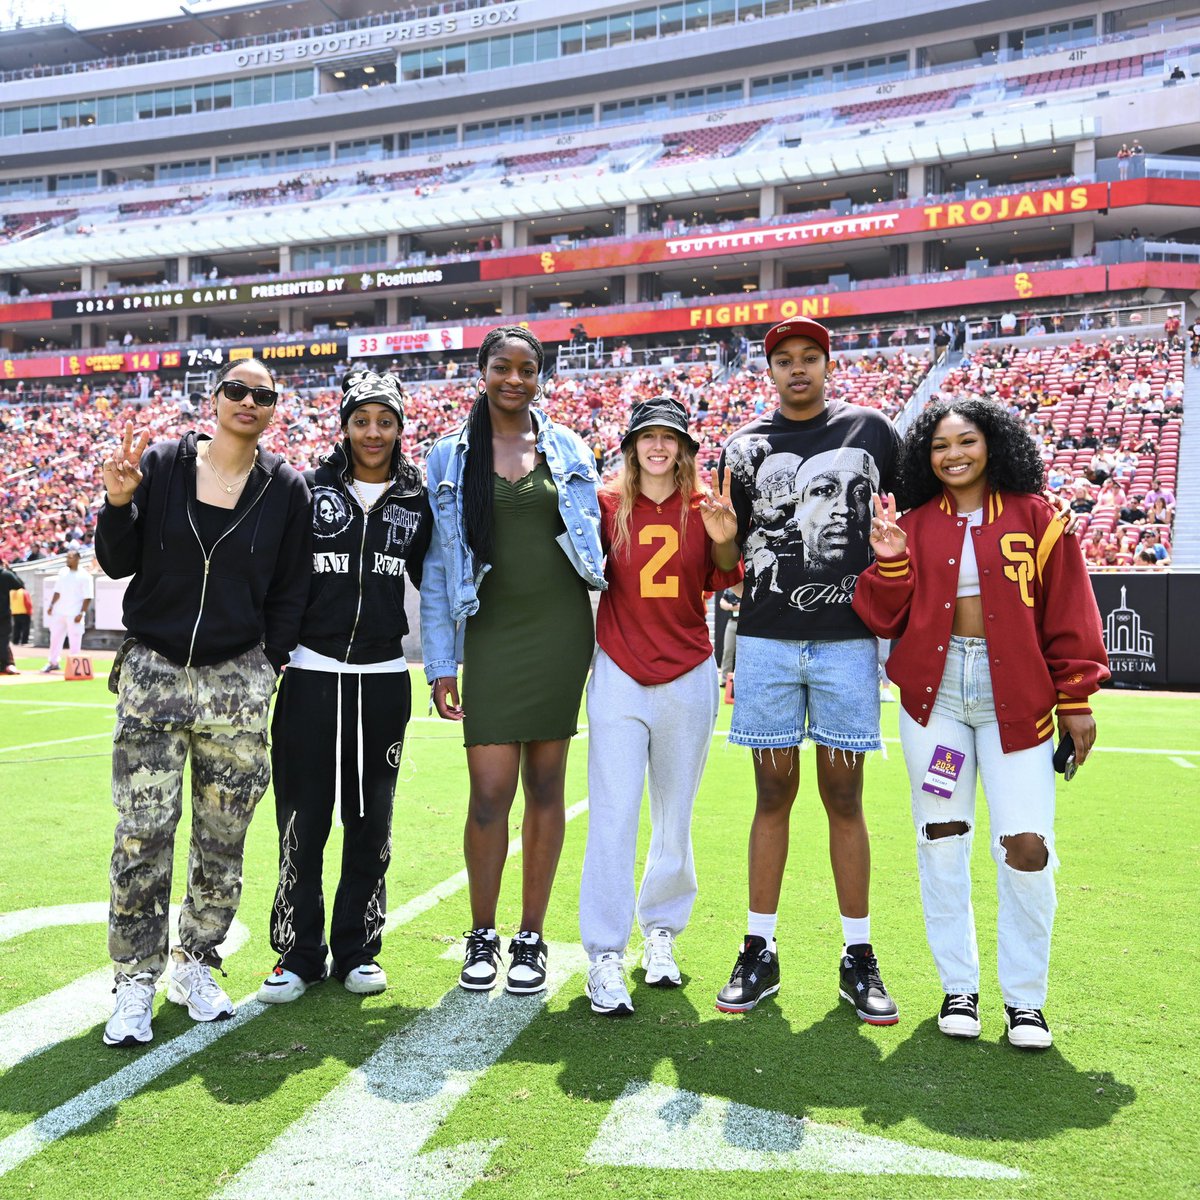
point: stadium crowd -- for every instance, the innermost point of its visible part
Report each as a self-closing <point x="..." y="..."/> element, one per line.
<point x="50" y="475"/>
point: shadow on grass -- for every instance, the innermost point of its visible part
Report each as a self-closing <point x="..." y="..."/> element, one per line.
<point x="981" y="1089"/>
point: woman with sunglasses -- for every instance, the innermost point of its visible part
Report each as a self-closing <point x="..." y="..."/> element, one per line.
<point x="215" y="534"/>
<point x="516" y="545"/>
<point x="345" y="700"/>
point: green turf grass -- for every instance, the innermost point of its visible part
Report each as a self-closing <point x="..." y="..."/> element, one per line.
<point x="1106" y="1112"/>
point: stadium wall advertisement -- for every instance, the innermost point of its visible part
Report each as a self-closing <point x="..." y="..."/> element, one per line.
<point x="1148" y="619"/>
<point x="869" y="301"/>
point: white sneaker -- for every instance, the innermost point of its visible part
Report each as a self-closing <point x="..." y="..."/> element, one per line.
<point x="130" y="1023"/>
<point x="1027" y="1028"/>
<point x="365" y="980"/>
<point x="658" y="958"/>
<point x="190" y="982"/>
<point x="606" y="987"/>
<point x="281" y="987"/>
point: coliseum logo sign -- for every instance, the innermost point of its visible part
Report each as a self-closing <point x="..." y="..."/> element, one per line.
<point x="1130" y="647"/>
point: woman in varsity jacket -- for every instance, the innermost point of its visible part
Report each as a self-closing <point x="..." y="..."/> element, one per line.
<point x="346" y="698"/>
<point x="998" y="633"/>
<point x="652" y="699"/>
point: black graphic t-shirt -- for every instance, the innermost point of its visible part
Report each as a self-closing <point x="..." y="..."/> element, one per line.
<point x="802" y="492"/>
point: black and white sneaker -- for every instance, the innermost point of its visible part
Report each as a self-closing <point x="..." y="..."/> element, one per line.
<point x="959" y="1017"/>
<point x="1027" y="1028"/>
<point x="481" y="960"/>
<point x="527" y="971"/>
<point x="755" y="977"/>
<point x="860" y="984"/>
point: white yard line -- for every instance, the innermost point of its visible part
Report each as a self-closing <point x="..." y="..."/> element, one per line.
<point x="1183" y="762"/>
<point x="365" y="1136"/>
<point x="87" y="737"/>
<point x="128" y="1081"/>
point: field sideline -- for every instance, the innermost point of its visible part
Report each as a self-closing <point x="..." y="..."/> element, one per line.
<point x="427" y="1092"/>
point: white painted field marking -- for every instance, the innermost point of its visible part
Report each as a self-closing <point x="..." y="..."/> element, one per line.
<point x="366" y="1135"/>
<point x="78" y="1111"/>
<point x="1183" y="762"/>
<point x="87" y="737"/>
<point x="652" y="1125"/>
<point x="411" y="909"/>
<point x="80" y="1004"/>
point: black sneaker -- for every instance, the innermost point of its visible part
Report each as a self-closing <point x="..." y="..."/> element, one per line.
<point x="755" y="976"/>
<point x="859" y="983"/>
<point x="527" y="971"/>
<point x="481" y="961"/>
<point x="1027" y="1028"/>
<point x="959" y="1017"/>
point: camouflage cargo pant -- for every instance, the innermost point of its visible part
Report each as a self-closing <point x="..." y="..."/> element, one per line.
<point x="165" y="712"/>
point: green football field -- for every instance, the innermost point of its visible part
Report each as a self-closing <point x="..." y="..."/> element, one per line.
<point x="428" y="1092"/>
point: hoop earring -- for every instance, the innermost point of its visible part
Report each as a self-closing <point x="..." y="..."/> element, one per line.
<point x="481" y="388"/>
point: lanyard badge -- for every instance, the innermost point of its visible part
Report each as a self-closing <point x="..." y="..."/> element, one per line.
<point x="942" y="773"/>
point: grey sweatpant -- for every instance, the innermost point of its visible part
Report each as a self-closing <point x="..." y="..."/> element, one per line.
<point x="664" y="732"/>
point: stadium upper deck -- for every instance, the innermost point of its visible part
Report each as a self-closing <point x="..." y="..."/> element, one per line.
<point x="270" y="160"/>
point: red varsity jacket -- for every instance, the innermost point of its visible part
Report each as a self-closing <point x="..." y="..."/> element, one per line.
<point x="1045" y="644"/>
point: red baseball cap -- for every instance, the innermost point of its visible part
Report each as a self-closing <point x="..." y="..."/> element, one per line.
<point x="796" y="327"/>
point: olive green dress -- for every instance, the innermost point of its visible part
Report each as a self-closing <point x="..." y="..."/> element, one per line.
<point x="528" y="648"/>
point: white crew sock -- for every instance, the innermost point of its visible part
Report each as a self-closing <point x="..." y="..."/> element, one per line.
<point x="763" y="925"/>
<point x="856" y="931"/>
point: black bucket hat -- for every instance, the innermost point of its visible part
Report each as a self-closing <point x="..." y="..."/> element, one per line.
<point x="664" y="411"/>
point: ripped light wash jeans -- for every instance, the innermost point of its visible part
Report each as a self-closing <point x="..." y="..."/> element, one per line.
<point x="1019" y="788"/>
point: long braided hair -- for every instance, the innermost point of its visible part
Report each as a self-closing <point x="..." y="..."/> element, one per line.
<point x="477" y="474"/>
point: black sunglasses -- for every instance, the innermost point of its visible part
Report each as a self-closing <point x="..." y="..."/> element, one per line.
<point x="263" y="396"/>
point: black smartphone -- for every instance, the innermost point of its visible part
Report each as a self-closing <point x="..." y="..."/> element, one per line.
<point x="1064" y="758"/>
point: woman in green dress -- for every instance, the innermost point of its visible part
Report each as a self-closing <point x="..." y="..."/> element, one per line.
<point x="516" y="546"/>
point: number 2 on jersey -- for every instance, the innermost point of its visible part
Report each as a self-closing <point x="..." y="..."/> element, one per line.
<point x="668" y="586"/>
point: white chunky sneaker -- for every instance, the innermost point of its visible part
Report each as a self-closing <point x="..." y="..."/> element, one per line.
<point x="365" y="980"/>
<point x="1027" y="1028"/>
<point x="130" y="1023"/>
<point x="960" y="1015"/>
<point x="281" y="987"/>
<point x="190" y="982"/>
<point x="658" y="958"/>
<point x="606" y="987"/>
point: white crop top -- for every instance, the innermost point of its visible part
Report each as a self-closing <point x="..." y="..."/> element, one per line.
<point x="968" y="568"/>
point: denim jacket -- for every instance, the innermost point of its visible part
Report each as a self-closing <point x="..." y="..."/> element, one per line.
<point x="449" y="591"/>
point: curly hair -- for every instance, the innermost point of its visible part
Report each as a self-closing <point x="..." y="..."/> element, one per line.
<point x="477" y="471"/>
<point x="1014" y="461"/>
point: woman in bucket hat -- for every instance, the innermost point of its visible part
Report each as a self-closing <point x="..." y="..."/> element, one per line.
<point x="652" y="698"/>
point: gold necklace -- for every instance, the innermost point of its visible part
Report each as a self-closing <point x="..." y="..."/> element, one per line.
<point x="362" y="500"/>
<point x="230" y="488"/>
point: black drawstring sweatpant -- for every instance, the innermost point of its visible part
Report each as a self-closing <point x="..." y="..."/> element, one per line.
<point x="304" y="759"/>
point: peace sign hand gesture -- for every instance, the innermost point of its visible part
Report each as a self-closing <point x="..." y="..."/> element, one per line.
<point x="888" y="540"/>
<point x="717" y="512"/>
<point x="122" y="469"/>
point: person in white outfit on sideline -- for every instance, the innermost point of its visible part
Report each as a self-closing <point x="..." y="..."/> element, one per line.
<point x="70" y="599"/>
<point x="652" y="698"/>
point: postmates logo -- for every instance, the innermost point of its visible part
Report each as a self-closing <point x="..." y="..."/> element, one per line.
<point x="1130" y="647"/>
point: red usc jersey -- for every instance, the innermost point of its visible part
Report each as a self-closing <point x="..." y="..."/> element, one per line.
<point x="651" y="620"/>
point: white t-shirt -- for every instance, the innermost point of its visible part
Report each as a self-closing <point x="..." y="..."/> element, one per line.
<point x="72" y="589"/>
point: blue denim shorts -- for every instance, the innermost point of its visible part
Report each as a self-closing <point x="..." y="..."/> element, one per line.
<point x="827" y="692"/>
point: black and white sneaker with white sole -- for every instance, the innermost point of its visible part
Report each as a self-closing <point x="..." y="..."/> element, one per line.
<point x="1027" y="1028"/>
<point x="527" y="971"/>
<point x="755" y="977"/>
<point x="859" y="983"/>
<point x="959" y="1017"/>
<point x="481" y="960"/>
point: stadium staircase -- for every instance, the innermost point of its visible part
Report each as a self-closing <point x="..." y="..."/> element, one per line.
<point x="929" y="385"/>
<point x="1185" y="540"/>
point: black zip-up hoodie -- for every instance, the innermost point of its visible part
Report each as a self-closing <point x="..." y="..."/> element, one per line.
<point x="356" y="599"/>
<point x="252" y="589"/>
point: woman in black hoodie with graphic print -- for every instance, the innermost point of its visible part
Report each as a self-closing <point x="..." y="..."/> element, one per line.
<point x="215" y="532"/>
<point x="346" y="698"/>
